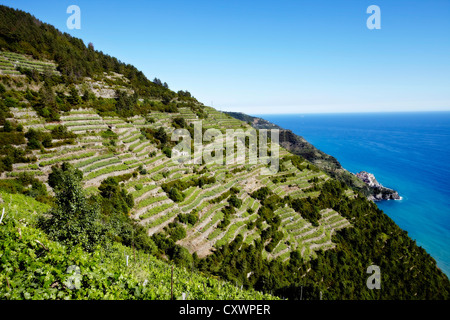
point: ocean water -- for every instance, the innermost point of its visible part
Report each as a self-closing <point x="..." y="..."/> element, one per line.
<point x="409" y="152"/>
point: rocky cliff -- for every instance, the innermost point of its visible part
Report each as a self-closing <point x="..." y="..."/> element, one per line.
<point x="379" y="192"/>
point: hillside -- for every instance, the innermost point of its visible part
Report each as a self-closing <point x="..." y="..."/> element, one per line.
<point x="94" y="139"/>
<point x="299" y="146"/>
<point x="45" y="263"/>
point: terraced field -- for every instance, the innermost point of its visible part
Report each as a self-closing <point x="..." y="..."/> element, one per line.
<point x="9" y="61"/>
<point x="96" y="156"/>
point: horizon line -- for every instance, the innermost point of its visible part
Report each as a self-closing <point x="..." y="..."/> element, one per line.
<point x="339" y="112"/>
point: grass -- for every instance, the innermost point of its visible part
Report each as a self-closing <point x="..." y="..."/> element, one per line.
<point x="82" y="124"/>
<point x="28" y="166"/>
<point x="31" y="172"/>
<point x="88" y="128"/>
<point x="218" y="215"/>
<point x="132" y="138"/>
<point x="191" y="195"/>
<point x="210" y="211"/>
<point x="22" y="207"/>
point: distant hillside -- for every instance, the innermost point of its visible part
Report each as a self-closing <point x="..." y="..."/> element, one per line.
<point x="86" y="146"/>
<point x="299" y="146"/>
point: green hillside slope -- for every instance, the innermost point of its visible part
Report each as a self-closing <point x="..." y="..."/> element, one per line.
<point x="34" y="267"/>
<point x="90" y="122"/>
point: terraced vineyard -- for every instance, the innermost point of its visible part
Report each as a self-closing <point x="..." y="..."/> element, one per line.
<point x="98" y="159"/>
<point x="99" y="156"/>
<point x="9" y="61"/>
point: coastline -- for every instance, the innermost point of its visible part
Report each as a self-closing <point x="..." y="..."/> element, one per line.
<point x="298" y="145"/>
<point x="406" y="151"/>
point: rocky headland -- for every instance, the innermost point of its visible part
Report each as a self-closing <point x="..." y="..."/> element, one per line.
<point x="378" y="191"/>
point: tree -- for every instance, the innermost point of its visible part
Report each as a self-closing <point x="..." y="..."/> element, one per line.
<point x="109" y="188"/>
<point x="55" y="178"/>
<point x="7" y="127"/>
<point x="115" y="198"/>
<point x="125" y="103"/>
<point x="85" y="96"/>
<point x="47" y="96"/>
<point x="73" y="221"/>
<point x="179" y="122"/>
<point x="181" y="256"/>
<point x="161" y="135"/>
<point x="74" y="99"/>
<point x="235" y="201"/>
<point x="177" y="233"/>
<point x="185" y="94"/>
<point x="47" y="141"/>
<point x="167" y="97"/>
<point x="175" y="195"/>
<point x="61" y="132"/>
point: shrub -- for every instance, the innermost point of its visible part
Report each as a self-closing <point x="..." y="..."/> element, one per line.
<point x="189" y="218"/>
<point x="167" y="151"/>
<point x="11" y="138"/>
<point x="61" y="132"/>
<point x="142" y="170"/>
<point x="55" y="178"/>
<point x="235" y="201"/>
<point x="34" y="144"/>
<point x="7" y="127"/>
<point x="175" y="195"/>
<point x="73" y="221"/>
<point x="37" y="139"/>
<point x="176" y="231"/>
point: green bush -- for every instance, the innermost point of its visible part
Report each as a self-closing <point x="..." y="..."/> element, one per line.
<point x="56" y="176"/>
<point x="38" y="138"/>
<point x="12" y="138"/>
<point x="189" y="218"/>
<point x="176" y="195"/>
<point x="235" y="201"/>
<point x="73" y="221"/>
<point x="61" y="132"/>
<point x="7" y="127"/>
<point x="26" y="184"/>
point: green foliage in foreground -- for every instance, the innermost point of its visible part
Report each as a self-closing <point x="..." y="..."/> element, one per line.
<point x="22" y="206"/>
<point x="26" y="184"/>
<point x="73" y="220"/>
<point x="34" y="267"/>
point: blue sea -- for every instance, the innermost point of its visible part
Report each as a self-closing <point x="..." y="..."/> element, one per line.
<point x="409" y="152"/>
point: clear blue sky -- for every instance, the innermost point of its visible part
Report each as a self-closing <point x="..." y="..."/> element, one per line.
<point x="276" y="56"/>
